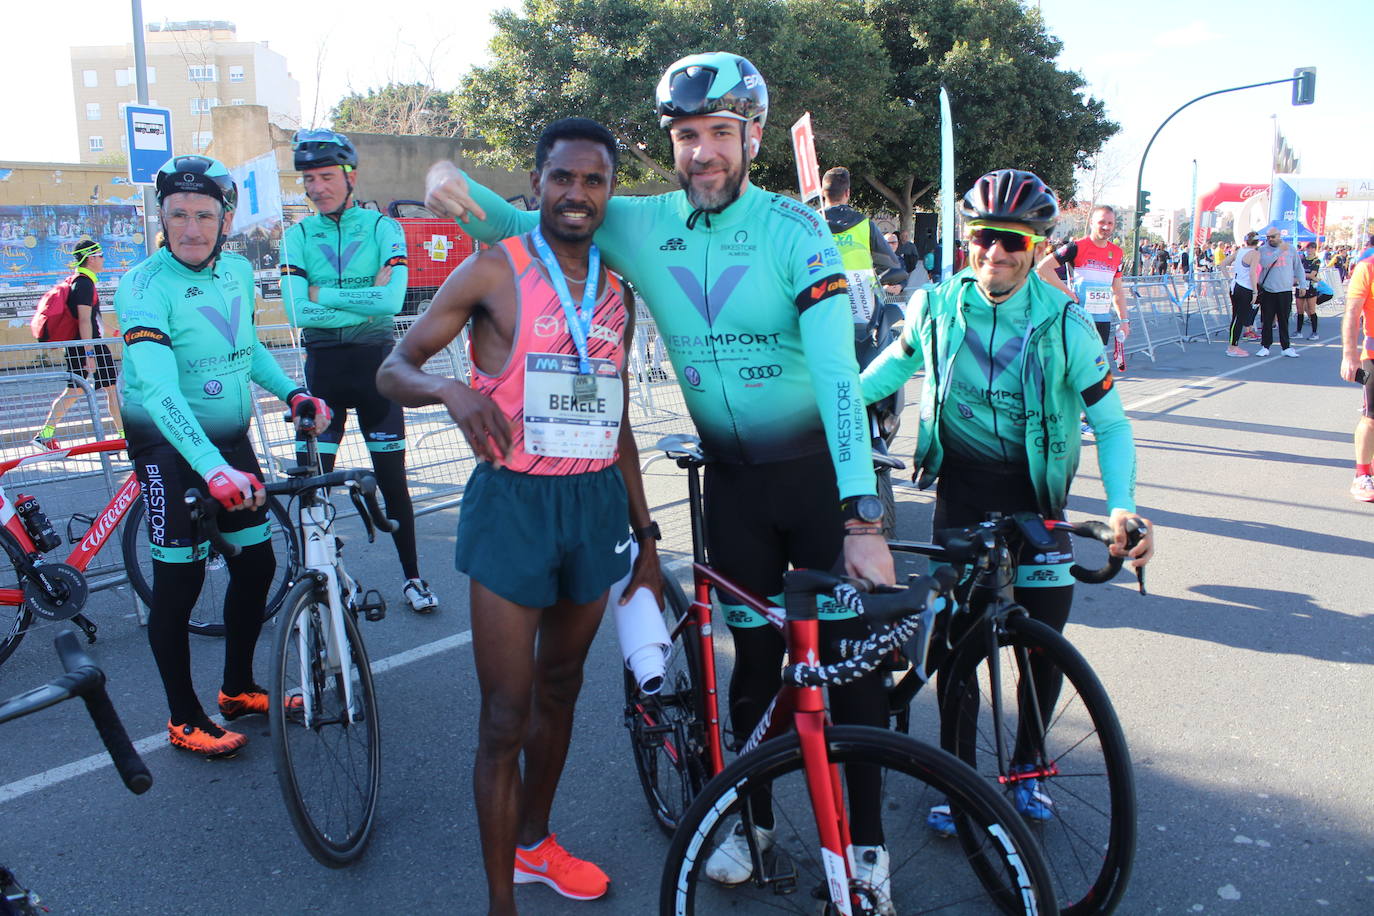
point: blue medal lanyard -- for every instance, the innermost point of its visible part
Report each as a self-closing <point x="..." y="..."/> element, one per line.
<point x="579" y="319"/>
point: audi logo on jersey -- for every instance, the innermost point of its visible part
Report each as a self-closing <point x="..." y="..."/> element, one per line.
<point x="753" y="373"/>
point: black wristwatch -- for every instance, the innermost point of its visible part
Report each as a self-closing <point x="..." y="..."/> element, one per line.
<point x="648" y="531"/>
<point x="867" y="509"/>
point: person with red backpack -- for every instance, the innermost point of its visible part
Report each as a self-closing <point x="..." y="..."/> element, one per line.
<point x="71" y="311"/>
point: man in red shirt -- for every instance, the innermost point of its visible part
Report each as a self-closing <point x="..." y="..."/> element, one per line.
<point x="1357" y="365"/>
<point x="1095" y="266"/>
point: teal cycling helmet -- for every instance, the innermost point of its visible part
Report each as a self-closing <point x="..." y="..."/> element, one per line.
<point x="197" y="175"/>
<point x="315" y="149"/>
<point x="716" y="82"/>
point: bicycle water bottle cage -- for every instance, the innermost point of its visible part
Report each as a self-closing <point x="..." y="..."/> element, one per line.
<point x="1032" y="528"/>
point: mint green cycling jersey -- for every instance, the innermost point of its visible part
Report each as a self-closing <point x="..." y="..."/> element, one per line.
<point x="342" y="257"/>
<point x="1009" y="387"/>
<point x="190" y="350"/>
<point x="752" y="307"/>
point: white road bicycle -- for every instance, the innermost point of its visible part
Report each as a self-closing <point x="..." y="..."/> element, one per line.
<point x="326" y="738"/>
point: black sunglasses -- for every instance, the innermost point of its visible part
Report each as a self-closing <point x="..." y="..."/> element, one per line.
<point x="1011" y="239"/>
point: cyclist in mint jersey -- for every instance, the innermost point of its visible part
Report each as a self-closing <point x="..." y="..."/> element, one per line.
<point x="190" y="351"/>
<point x="1009" y="364"/>
<point x="750" y="299"/>
<point x="343" y="280"/>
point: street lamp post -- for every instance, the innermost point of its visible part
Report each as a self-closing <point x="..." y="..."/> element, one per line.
<point x="1304" y="80"/>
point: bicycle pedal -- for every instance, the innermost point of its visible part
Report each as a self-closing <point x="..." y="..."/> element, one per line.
<point x="373" y="605"/>
<point x="780" y="874"/>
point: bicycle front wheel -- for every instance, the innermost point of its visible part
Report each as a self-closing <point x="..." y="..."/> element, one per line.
<point x="901" y="779"/>
<point x="207" y="617"/>
<point x="327" y="751"/>
<point x="1066" y="765"/>
<point x="15" y="616"/>
<point x="667" y="729"/>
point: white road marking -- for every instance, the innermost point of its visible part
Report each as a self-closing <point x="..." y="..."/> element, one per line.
<point x="21" y="787"/>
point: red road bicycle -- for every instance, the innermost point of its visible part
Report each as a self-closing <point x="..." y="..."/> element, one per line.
<point x="54" y="590"/>
<point x="803" y="799"/>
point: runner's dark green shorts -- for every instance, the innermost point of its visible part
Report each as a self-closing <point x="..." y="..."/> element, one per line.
<point x="535" y="538"/>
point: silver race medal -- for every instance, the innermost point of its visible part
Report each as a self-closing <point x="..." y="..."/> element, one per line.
<point x="584" y="388"/>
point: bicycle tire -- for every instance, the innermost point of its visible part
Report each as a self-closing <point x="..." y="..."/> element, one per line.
<point x="333" y="813"/>
<point x="883" y="478"/>
<point x="207" y="617"/>
<point x="1093" y="788"/>
<point x="15" y="619"/>
<point x="668" y="729"/>
<point x="925" y="876"/>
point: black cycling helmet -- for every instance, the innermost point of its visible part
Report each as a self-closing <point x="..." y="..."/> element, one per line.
<point x="197" y="175"/>
<point x="315" y="149"/>
<point x="1012" y="196"/>
<point x="716" y="82"/>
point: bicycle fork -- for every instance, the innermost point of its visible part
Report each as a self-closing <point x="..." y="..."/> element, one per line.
<point x="322" y="561"/>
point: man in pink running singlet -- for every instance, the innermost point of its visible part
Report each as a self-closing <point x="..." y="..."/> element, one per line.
<point x="549" y="512"/>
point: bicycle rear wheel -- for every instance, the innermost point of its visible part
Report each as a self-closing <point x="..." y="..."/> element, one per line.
<point x="207" y="617"/>
<point x="667" y="729"/>
<point x="1078" y="755"/>
<point x="328" y="755"/>
<point x="15" y="616"/>
<point x="926" y="874"/>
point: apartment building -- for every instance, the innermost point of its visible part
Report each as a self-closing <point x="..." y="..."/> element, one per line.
<point x="193" y="67"/>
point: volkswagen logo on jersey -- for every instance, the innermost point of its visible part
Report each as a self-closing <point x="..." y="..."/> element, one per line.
<point x="213" y="387"/>
<point x="692" y="375"/>
<point x="754" y="373"/>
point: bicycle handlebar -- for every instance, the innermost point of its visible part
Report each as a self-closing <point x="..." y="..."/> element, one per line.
<point x="362" y="490"/>
<point x="84" y="679"/>
<point x="899" y="616"/>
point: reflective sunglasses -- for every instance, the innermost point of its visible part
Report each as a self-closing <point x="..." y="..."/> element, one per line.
<point x="1012" y="240"/>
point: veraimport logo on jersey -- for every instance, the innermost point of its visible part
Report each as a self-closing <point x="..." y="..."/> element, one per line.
<point x="673" y="245"/>
<point x="754" y="373"/>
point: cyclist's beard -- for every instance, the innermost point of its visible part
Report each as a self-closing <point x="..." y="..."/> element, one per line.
<point x="719" y="199"/>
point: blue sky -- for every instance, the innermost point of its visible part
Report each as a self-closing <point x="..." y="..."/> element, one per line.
<point x="1143" y="59"/>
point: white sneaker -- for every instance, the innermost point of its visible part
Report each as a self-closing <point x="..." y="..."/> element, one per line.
<point x="1312" y="336"/>
<point x="1289" y="351"/>
<point x="731" y="863"/>
<point x="869" y="866"/>
<point x="421" y="599"/>
<point x="1262" y="351"/>
<point x="1363" y="488"/>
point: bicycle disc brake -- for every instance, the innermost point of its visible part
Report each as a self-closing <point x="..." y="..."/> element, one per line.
<point x="62" y="593"/>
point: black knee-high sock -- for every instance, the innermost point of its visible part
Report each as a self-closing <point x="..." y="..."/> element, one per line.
<point x="390" y="468"/>
<point x="175" y="589"/>
<point x="1313" y="321"/>
<point x="250" y="578"/>
<point x="1299" y="328"/>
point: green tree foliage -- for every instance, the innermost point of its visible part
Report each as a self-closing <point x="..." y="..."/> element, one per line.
<point x="1012" y="106"/>
<point x="602" y="59"/>
<point x="415" y="109"/>
<point x="869" y="71"/>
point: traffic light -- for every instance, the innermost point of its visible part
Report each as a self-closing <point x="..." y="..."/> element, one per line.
<point x="1304" y="85"/>
<point x="1142" y="205"/>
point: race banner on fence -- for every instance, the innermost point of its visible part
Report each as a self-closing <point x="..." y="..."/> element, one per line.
<point x="258" y="222"/>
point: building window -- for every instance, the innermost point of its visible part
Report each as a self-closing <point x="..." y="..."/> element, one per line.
<point x="203" y="106"/>
<point x="97" y="144"/>
<point x="89" y="79"/>
<point x="92" y="111"/>
<point x="203" y="74"/>
<point x="235" y="74"/>
<point x="152" y="75"/>
<point x="236" y="101"/>
<point x="201" y="140"/>
<point x="124" y="76"/>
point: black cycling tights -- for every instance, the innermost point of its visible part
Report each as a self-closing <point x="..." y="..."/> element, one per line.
<point x="863" y="702"/>
<point x="390" y="470"/>
<point x="176" y="586"/>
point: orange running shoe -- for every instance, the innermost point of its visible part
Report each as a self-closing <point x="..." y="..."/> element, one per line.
<point x="252" y="702"/>
<point x="205" y="738"/>
<point x="551" y="864"/>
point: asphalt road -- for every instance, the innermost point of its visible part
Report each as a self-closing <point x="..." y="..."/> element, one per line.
<point x="1242" y="682"/>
